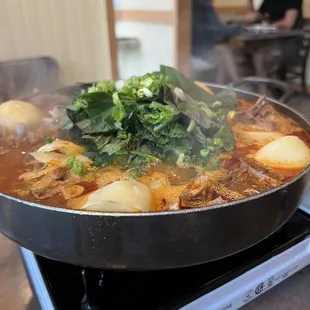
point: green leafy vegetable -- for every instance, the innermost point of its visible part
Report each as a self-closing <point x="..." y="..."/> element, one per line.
<point x="196" y="111"/>
<point x="158" y="117"/>
<point x="159" y="114"/>
<point x="119" y="146"/>
<point x="188" y="87"/>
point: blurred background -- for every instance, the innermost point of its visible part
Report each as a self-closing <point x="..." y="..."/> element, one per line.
<point x="47" y="43"/>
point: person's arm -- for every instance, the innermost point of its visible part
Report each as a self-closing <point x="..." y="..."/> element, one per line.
<point x="291" y="14"/>
<point x="288" y="21"/>
<point x="250" y="5"/>
<point x="253" y="16"/>
<point x="219" y="30"/>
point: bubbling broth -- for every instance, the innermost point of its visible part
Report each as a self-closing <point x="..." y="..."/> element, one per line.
<point x="142" y="151"/>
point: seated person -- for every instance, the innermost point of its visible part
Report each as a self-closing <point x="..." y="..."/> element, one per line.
<point x="284" y="15"/>
<point x="210" y="37"/>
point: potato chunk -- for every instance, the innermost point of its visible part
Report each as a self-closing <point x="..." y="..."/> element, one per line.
<point x="287" y="153"/>
<point x="16" y="112"/>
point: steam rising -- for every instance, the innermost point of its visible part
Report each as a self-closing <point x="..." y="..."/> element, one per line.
<point x="23" y="78"/>
<point x="32" y="82"/>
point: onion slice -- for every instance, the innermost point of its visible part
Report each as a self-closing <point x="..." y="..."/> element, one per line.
<point x="62" y="146"/>
<point x="72" y="191"/>
<point x="56" y="157"/>
<point x="258" y="137"/>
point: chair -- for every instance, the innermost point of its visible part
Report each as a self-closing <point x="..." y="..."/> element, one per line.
<point x="299" y="73"/>
<point x="24" y="77"/>
<point x="276" y="89"/>
<point x="296" y="73"/>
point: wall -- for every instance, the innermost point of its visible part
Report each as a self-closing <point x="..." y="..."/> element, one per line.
<point x="307" y="8"/>
<point x="75" y="32"/>
<point x="155" y="48"/>
<point x="307" y="15"/>
<point x="156" y="41"/>
<point x="158" y="5"/>
<point x="230" y="3"/>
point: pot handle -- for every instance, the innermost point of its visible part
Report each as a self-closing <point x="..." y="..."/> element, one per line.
<point x="288" y="91"/>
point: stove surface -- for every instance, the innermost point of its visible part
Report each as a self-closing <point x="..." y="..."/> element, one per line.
<point x="72" y="287"/>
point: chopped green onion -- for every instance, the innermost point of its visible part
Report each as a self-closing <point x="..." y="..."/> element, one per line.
<point x="115" y="99"/>
<point x="217" y="104"/>
<point x="119" y="85"/>
<point x="141" y="94"/>
<point x="191" y="126"/>
<point x="49" y="140"/>
<point x="70" y="161"/>
<point x="180" y="159"/>
<point x="209" y="141"/>
<point x="122" y="134"/>
<point x="204" y="152"/>
<point x="147" y="81"/>
<point x="217" y="141"/>
<point x="147" y="93"/>
<point x="77" y="166"/>
<point x="231" y="114"/>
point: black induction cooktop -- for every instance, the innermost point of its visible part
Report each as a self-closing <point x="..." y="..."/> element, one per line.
<point x="63" y="286"/>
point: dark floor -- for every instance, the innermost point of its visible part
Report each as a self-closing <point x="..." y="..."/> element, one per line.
<point x="15" y="293"/>
<point x="293" y="294"/>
